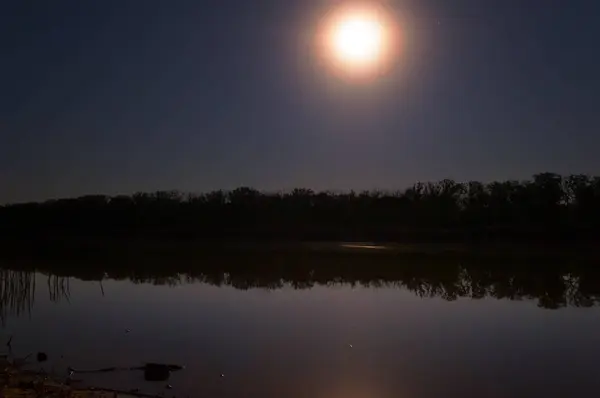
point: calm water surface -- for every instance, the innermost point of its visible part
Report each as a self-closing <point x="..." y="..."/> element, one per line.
<point x="329" y="341"/>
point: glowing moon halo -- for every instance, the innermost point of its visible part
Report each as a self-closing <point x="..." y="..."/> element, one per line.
<point x="358" y="40"/>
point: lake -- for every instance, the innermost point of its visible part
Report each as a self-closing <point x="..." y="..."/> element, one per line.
<point x="306" y="329"/>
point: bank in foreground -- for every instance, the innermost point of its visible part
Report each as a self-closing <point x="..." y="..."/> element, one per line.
<point x="16" y="381"/>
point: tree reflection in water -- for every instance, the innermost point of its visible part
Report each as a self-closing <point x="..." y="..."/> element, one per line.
<point x="552" y="281"/>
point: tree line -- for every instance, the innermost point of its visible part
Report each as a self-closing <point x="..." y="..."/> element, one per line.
<point x="547" y="205"/>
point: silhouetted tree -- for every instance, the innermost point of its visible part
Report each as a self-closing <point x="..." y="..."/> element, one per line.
<point x="548" y="206"/>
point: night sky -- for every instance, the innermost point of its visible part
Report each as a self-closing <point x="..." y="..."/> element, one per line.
<point x="119" y="96"/>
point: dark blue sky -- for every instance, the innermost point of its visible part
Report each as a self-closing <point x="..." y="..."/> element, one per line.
<point x="118" y="96"/>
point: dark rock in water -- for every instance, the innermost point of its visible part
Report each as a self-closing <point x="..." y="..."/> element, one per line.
<point x="156" y="372"/>
<point x="42" y="357"/>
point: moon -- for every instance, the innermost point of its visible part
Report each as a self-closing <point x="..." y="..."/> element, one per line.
<point x="359" y="40"/>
